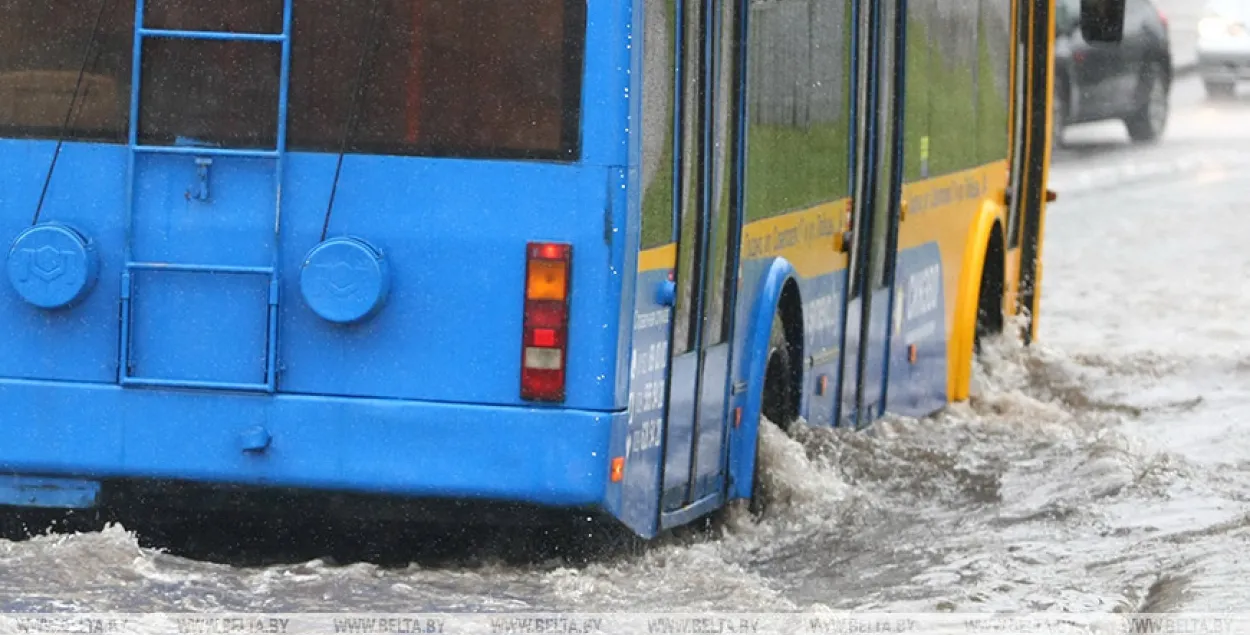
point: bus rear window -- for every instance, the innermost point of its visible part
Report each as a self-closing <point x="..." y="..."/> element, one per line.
<point x="469" y="78"/>
<point x="209" y="91"/>
<point x="52" y="50"/>
<point x="256" y="16"/>
<point x="444" y="77"/>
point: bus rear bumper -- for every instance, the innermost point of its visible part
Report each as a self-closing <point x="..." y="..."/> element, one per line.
<point x="58" y="436"/>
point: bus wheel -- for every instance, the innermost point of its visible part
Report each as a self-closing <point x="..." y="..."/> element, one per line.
<point x="780" y="404"/>
<point x="990" y="297"/>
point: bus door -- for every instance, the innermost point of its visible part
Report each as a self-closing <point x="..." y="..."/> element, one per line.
<point x="1031" y="101"/>
<point x="874" y="223"/>
<point x="706" y="261"/>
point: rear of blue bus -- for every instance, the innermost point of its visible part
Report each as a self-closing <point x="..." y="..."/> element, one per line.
<point x="371" y="247"/>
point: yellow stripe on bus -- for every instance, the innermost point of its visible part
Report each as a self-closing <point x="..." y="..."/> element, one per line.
<point x="938" y="209"/>
<point x="949" y="210"/>
<point x="663" y="257"/>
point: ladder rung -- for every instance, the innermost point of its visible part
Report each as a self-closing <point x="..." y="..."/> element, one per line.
<point x="215" y="152"/>
<point x="172" y="266"/>
<point x="128" y="380"/>
<point x="213" y="35"/>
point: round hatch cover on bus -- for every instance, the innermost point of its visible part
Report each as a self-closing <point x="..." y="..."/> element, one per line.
<point x="52" y="265"/>
<point x="344" y="280"/>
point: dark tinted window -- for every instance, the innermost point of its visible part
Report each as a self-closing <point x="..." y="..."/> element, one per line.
<point x="209" y="92"/>
<point x="252" y="16"/>
<point x="445" y="77"/>
<point x="43" y="46"/>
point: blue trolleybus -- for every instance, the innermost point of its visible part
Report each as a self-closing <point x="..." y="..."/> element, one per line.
<point x="550" y="254"/>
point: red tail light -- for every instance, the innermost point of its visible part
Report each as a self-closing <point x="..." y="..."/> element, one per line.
<point x="544" y="345"/>
<point x="1164" y="19"/>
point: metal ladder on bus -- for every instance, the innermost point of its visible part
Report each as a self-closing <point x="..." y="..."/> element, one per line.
<point x="201" y="156"/>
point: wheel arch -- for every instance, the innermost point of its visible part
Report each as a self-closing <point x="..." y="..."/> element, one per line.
<point x="986" y="226"/>
<point x="778" y="293"/>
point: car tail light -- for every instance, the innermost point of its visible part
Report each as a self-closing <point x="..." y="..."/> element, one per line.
<point x="1163" y="18"/>
<point x="544" y="345"/>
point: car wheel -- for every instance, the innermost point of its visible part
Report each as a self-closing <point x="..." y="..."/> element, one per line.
<point x="1219" y="89"/>
<point x="1058" y="116"/>
<point x="1151" y="118"/>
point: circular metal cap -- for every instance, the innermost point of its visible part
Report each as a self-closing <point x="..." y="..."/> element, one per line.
<point x="344" y="280"/>
<point x="52" y="265"/>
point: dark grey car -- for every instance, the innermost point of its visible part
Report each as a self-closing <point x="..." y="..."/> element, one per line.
<point x="1130" y="81"/>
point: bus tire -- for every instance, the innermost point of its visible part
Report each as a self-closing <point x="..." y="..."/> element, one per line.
<point x="990" y="295"/>
<point x="778" y="404"/>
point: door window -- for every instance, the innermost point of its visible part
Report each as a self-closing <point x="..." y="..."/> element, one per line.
<point x="692" y="176"/>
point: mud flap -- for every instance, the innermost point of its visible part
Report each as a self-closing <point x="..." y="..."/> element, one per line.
<point x="49" y="493"/>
